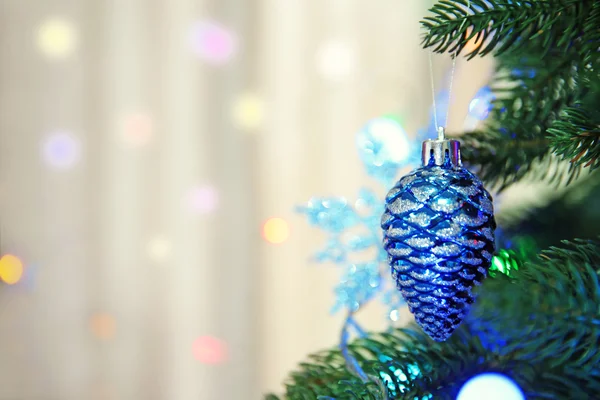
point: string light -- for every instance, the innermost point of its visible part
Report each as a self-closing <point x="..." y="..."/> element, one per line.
<point x="490" y="386"/>
<point x="209" y="350"/>
<point x="57" y="38"/>
<point x="276" y="230"/>
<point x="11" y="269"/>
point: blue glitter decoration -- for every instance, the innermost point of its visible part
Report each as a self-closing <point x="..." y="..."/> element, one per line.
<point x="352" y="291"/>
<point x="353" y="231"/>
<point x="331" y="214"/>
<point x="439" y="235"/>
<point x="353" y="236"/>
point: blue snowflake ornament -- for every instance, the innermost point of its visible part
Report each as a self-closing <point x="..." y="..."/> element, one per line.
<point x="359" y="284"/>
<point x="353" y="228"/>
<point x="353" y="234"/>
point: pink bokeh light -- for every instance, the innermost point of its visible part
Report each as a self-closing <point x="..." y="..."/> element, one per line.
<point x="202" y="199"/>
<point x="213" y="42"/>
<point x="209" y="350"/>
<point x="137" y="129"/>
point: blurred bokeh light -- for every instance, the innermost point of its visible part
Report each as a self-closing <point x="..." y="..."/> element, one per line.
<point x="337" y="60"/>
<point x="276" y="230"/>
<point x="210" y="350"/>
<point x="490" y="386"/>
<point x="474" y="42"/>
<point x="202" y="199"/>
<point x="137" y="129"/>
<point x="481" y="105"/>
<point x="383" y="147"/>
<point x="11" y="269"/>
<point x="57" y="38"/>
<point x="159" y="248"/>
<point x="248" y="111"/>
<point x="103" y="326"/>
<point x="61" y="150"/>
<point x="213" y="42"/>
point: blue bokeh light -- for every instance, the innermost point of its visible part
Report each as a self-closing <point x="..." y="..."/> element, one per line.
<point x="490" y="386"/>
<point x="384" y="147"/>
<point x="61" y="150"/>
<point x="481" y="105"/>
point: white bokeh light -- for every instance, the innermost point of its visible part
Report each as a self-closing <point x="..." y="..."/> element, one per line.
<point x="389" y="134"/>
<point x="490" y="386"/>
<point x="202" y="199"/>
<point x="337" y="60"/>
<point x="159" y="248"/>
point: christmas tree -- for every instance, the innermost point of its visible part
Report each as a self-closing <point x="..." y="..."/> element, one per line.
<point x="534" y="330"/>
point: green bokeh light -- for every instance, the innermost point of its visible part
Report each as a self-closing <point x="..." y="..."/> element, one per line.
<point x="506" y="262"/>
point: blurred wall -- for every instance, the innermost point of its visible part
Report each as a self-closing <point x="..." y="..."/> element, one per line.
<point x="143" y="145"/>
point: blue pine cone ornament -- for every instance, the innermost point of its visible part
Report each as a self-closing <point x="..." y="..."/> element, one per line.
<point x="438" y="230"/>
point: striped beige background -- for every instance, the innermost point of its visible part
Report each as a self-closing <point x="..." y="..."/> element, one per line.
<point x="85" y="232"/>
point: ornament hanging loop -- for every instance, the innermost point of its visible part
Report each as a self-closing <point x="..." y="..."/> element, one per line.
<point x="441" y="133"/>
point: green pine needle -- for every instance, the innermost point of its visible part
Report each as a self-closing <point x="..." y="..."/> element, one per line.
<point x="540" y="326"/>
<point x="532" y="93"/>
<point x="563" y="285"/>
<point x="548" y="63"/>
<point x="503" y="26"/>
<point x="576" y="136"/>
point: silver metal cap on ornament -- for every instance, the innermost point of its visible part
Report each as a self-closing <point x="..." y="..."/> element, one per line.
<point x="441" y="151"/>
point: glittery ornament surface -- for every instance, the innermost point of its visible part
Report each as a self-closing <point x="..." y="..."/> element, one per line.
<point x="438" y="228"/>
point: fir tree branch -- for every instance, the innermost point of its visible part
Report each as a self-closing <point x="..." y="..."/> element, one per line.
<point x="591" y="42"/>
<point x="541" y="327"/>
<point x="576" y="136"/>
<point x="531" y="94"/>
<point x="504" y="26"/>
<point x="500" y="160"/>
<point x="528" y="229"/>
<point x="564" y="288"/>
